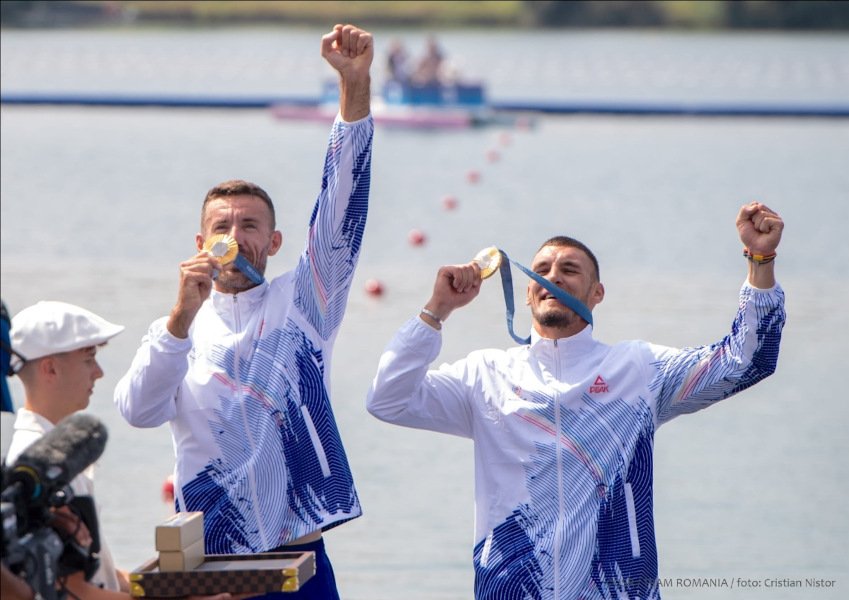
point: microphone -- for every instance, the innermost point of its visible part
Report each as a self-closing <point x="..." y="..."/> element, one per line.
<point x="53" y="461"/>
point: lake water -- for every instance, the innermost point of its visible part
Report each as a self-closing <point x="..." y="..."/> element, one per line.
<point x="100" y="205"/>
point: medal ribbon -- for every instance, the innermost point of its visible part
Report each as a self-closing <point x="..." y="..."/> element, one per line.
<point x="226" y="250"/>
<point x="562" y="295"/>
<point x="248" y="269"/>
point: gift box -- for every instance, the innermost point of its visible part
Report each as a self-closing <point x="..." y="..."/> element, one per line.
<point x="235" y="573"/>
<point x="179" y="531"/>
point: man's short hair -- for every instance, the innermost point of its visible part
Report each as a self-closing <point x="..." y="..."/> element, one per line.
<point x="563" y="240"/>
<point x="237" y="187"/>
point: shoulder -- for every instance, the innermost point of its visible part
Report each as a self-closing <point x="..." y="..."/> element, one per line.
<point x="641" y="351"/>
<point x="495" y="354"/>
<point x="28" y="430"/>
<point x="489" y="358"/>
<point x="282" y="283"/>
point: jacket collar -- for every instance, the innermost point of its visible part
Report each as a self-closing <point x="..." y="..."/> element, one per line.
<point x="575" y="345"/>
<point x="246" y="299"/>
<point x="28" y="420"/>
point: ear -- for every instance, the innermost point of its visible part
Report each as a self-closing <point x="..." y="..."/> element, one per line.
<point x="47" y="367"/>
<point x="528" y="295"/>
<point x="276" y="242"/>
<point x="199" y="242"/>
<point x="597" y="295"/>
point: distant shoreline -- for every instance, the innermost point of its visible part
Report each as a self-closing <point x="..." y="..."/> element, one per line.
<point x="709" y="15"/>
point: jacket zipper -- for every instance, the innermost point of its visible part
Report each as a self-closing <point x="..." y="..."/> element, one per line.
<point x="240" y="399"/>
<point x="559" y="464"/>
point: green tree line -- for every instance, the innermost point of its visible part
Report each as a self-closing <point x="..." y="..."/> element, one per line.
<point x="719" y="14"/>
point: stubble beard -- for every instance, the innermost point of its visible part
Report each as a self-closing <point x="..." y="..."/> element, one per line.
<point x="560" y="317"/>
<point x="556" y="318"/>
<point x="233" y="281"/>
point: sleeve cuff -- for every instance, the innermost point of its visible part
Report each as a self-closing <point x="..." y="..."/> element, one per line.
<point x="166" y="341"/>
<point x="421" y="338"/>
<point x="747" y="285"/>
<point x="339" y="119"/>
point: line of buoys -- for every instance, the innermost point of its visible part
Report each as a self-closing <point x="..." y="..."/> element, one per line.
<point x="449" y="202"/>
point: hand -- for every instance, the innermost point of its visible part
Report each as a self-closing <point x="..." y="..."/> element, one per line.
<point x="760" y="231"/>
<point x="349" y="50"/>
<point x="759" y="228"/>
<point x="196" y="280"/>
<point x="64" y="520"/>
<point x="455" y="287"/>
<point x="13" y="587"/>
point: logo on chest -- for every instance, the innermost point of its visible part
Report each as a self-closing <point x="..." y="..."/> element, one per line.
<point x="599" y="387"/>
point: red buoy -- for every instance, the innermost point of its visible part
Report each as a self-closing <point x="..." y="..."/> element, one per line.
<point x="168" y="489"/>
<point x="374" y="287"/>
<point x="473" y="176"/>
<point x="449" y="202"/>
<point x="416" y="237"/>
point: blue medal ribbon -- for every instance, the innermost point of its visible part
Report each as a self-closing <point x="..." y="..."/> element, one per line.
<point x="562" y="295"/>
<point x="248" y="269"/>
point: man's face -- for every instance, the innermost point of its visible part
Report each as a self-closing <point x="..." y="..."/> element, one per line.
<point x="569" y="269"/>
<point x="248" y="220"/>
<point x="76" y="373"/>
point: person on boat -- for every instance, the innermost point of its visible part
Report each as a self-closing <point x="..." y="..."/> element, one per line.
<point x="429" y="68"/>
<point x="564" y="425"/>
<point x="240" y="369"/>
<point x="396" y="62"/>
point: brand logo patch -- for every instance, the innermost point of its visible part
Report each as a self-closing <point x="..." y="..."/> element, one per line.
<point x="599" y="387"/>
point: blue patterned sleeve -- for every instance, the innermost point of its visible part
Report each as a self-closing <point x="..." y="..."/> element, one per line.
<point x="326" y="267"/>
<point x="690" y="379"/>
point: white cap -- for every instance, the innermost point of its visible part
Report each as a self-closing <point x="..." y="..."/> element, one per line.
<point x="51" y="327"/>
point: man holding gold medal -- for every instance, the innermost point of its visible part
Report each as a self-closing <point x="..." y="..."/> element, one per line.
<point x="564" y="425"/>
<point x="240" y="368"/>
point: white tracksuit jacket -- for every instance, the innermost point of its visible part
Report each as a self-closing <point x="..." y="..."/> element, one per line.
<point x="563" y="433"/>
<point x="247" y="394"/>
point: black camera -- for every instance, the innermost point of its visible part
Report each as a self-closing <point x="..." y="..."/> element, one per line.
<point x="33" y="487"/>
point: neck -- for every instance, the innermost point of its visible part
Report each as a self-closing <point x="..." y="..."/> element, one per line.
<point x="557" y="333"/>
<point x="41" y="407"/>
<point x="226" y="289"/>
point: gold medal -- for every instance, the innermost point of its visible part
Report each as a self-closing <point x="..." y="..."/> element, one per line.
<point x="488" y="259"/>
<point x="223" y="247"/>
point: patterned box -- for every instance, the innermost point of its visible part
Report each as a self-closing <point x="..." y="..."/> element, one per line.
<point x="234" y="573"/>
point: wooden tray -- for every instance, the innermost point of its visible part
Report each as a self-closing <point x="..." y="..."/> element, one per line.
<point x="234" y="573"/>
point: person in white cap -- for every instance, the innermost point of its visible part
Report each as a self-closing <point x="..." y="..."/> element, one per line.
<point x="55" y="344"/>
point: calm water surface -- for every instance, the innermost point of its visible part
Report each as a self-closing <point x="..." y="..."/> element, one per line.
<point x="99" y="206"/>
